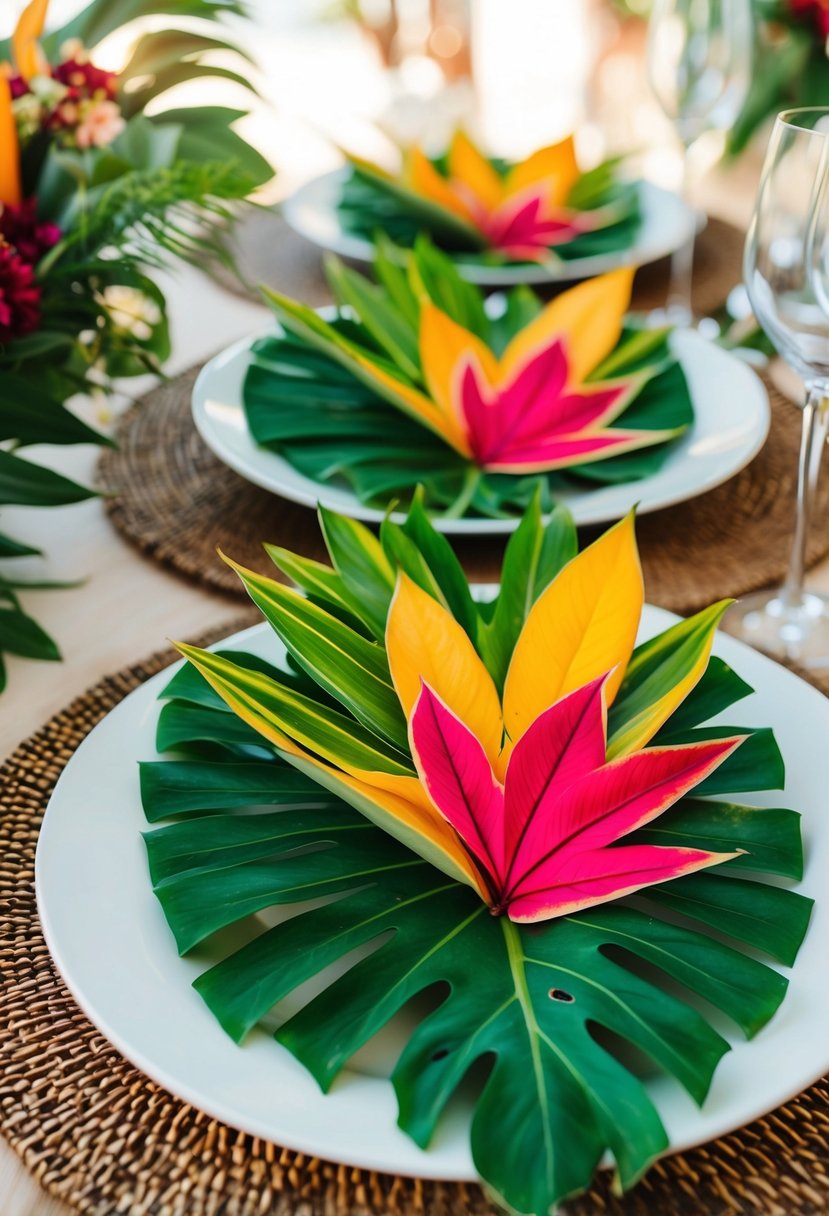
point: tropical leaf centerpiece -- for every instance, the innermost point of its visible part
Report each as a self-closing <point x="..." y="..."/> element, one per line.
<point x="414" y="382"/>
<point x="540" y="210"/>
<point x="511" y="806"/>
<point x="95" y="195"/>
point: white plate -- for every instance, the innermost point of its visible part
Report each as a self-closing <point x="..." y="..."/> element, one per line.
<point x="731" y="422"/>
<point x="112" y="945"/>
<point x="667" y="223"/>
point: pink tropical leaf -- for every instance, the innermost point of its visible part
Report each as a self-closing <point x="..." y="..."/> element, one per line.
<point x="560" y="747"/>
<point x="459" y="779"/>
<point x="522" y="228"/>
<point x="586" y="879"/>
<point x="535" y="420"/>
<point x="547" y="839"/>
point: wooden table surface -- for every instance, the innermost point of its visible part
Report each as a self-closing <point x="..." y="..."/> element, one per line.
<point x="127" y="606"/>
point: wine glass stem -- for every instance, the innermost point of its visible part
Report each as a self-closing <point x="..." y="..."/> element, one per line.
<point x="680" y="305"/>
<point x="815" y="422"/>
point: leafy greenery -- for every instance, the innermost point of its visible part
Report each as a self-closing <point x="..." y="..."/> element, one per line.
<point x="167" y="187"/>
<point x="370" y="204"/>
<point x="553" y="1028"/>
<point x="309" y="405"/>
<point x="791" y="67"/>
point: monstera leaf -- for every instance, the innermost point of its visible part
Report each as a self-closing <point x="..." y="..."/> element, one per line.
<point x="289" y="790"/>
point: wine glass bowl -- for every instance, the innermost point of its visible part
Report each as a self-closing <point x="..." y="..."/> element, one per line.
<point x="699" y="67"/>
<point x="699" y="62"/>
<point x="786" y="270"/>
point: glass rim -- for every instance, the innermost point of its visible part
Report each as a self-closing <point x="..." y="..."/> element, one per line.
<point x="789" y="118"/>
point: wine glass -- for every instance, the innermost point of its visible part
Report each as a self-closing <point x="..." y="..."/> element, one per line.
<point x="699" y="68"/>
<point x="787" y="276"/>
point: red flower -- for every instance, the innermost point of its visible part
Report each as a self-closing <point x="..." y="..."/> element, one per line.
<point x="816" y="11"/>
<point x="84" y="80"/>
<point x="19" y="296"/>
<point x="18" y="86"/>
<point x="21" y="228"/>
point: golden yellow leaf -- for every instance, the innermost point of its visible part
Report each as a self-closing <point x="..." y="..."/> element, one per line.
<point x="583" y="626"/>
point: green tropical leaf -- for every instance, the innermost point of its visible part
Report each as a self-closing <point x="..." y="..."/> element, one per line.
<point x="672" y="658"/>
<point x="361" y="564"/>
<point x="29" y="414"/>
<point x="434" y="273"/>
<point x="9" y="547"/>
<point x="177" y="787"/>
<point x="21" y="635"/>
<point x="532" y="1009"/>
<point x="425" y="554"/>
<point x="26" y="484"/>
<point x="337" y="658"/>
<point x="378" y="313"/>
<point x="549" y="1032"/>
<point x="429" y="216"/>
<point x="536" y="552"/>
<point x="273" y="708"/>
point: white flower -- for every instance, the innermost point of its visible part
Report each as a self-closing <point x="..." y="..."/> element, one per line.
<point x="131" y="311"/>
<point x="100" y="124"/>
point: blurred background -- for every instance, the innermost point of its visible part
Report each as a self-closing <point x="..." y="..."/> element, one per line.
<point x="516" y="73"/>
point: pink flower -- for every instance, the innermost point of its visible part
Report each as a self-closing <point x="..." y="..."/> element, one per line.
<point x="22" y="229"/>
<point x="19" y="296"/>
<point x="100" y="124"/>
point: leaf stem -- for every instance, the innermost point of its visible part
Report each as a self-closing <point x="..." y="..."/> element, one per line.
<point x="471" y="481"/>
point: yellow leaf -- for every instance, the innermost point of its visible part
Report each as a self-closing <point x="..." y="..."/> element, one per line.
<point x="27" y="54"/>
<point x="581" y="627"/>
<point x="588" y="318"/>
<point x="413" y="402"/>
<point x="641" y="729"/>
<point x="446" y="348"/>
<point x="471" y="169"/>
<point x="424" y="642"/>
<point x="422" y="177"/>
<point x="555" y="166"/>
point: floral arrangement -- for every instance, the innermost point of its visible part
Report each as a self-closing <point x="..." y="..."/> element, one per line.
<point x="94" y="195"/>
<point x="414" y="381"/>
<point x="541" y="209"/>
<point x="478" y="789"/>
<point x="791" y="66"/>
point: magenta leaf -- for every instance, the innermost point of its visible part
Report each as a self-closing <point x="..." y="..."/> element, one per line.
<point x="547" y="839"/>
<point x="535" y="421"/>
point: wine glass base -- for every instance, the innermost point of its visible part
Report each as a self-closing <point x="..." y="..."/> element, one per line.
<point x="795" y="629"/>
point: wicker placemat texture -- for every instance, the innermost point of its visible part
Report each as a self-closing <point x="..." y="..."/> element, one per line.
<point x="178" y="503"/>
<point x="98" y="1134"/>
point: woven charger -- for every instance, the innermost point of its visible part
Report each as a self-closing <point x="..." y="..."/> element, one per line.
<point x="98" y="1134"/>
<point x="178" y="503"/>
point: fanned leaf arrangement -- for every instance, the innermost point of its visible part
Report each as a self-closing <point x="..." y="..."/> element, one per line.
<point x="489" y="212"/>
<point x="414" y="382"/>
<point x="424" y="755"/>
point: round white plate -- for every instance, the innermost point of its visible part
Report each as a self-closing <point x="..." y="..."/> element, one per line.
<point x="112" y="945"/>
<point x="731" y="422"/>
<point x="667" y="223"/>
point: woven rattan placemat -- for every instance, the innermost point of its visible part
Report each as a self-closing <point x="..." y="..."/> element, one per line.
<point x="98" y="1134"/>
<point x="177" y="503"/>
